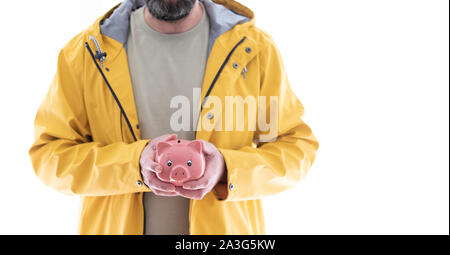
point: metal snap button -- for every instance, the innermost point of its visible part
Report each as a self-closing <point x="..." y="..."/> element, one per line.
<point x="235" y="65"/>
<point x="248" y="50"/>
<point x="209" y="116"/>
<point x="231" y="186"/>
<point x="139" y="183"/>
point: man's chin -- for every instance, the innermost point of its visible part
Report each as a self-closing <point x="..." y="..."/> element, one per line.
<point x="161" y="9"/>
<point x="172" y="19"/>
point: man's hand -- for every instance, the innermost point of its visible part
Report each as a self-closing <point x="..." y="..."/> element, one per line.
<point x="214" y="172"/>
<point x="149" y="168"/>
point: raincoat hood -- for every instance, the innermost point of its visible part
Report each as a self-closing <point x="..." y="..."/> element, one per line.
<point x="115" y="24"/>
<point x="223" y="15"/>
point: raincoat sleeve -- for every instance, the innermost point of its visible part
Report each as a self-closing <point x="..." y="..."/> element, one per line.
<point x="271" y="167"/>
<point x="64" y="156"/>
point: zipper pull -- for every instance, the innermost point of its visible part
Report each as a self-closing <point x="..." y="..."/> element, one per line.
<point x="244" y="71"/>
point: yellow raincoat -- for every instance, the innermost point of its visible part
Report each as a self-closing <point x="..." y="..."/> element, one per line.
<point x="87" y="137"/>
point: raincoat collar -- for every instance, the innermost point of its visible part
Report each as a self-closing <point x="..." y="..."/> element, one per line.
<point x="223" y="16"/>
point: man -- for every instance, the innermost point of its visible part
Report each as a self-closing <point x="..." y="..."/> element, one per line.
<point x="116" y="95"/>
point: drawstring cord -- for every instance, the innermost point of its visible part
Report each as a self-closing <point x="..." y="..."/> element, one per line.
<point x="101" y="56"/>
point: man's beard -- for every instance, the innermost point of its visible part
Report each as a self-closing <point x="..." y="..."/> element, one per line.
<point x="170" y="10"/>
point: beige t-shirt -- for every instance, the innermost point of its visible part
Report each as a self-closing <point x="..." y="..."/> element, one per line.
<point x="164" y="66"/>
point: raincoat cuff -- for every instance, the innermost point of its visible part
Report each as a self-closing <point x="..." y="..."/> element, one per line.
<point x="223" y="191"/>
<point x="137" y="180"/>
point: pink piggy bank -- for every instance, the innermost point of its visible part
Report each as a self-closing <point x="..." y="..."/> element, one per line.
<point x="182" y="161"/>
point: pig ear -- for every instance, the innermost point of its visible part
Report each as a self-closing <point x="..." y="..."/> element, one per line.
<point x="197" y="146"/>
<point x="161" y="147"/>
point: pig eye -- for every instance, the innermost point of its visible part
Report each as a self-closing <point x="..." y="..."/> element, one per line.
<point x="189" y="163"/>
<point x="169" y="163"/>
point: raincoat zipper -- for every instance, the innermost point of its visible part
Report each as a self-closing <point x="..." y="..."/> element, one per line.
<point x="99" y="56"/>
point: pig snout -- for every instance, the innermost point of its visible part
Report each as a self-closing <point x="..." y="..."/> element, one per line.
<point x="179" y="174"/>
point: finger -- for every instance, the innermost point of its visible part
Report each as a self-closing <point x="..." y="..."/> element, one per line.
<point x="148" y="156"/>
<point x="144" y="174"/>
<point x="152" y="166"/>
<point x="164" y="193"/>
<point x="192" y="194"/>
<point x="151" y="155"/>
<point x="208" y="148"/>
<point x="145" y="156"/>
<point x="154" y="182"/>
<point x="201" y="183"/>
<point x="155" y="167"/>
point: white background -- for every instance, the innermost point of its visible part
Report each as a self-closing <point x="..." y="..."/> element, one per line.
<point x="372" y="75"/>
